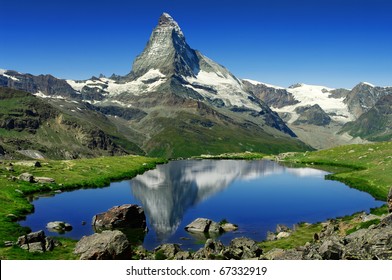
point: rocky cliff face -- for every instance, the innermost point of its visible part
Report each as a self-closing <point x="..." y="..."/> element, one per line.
<point x="375" y="124"/>
<point x="312" y="115"/>
<point x="364" y="96"/>
<point x="273" y="96"/>
<point x="166" y="51"/>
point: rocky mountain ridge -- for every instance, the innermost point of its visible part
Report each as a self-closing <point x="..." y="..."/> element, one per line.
<point x="174" y="90"/>
<point x="173" y="96"/>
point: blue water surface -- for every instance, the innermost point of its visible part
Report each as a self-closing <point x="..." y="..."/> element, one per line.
<point x="256" y="195"/>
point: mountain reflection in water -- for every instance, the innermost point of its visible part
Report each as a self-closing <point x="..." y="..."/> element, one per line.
<point x="167" y="192"/>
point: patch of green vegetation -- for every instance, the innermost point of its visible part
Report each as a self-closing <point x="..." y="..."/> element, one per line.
<point x="68" y="174"/>
<point x="369" y="166"/>
<point x="363" y="225"/>
<point x="160" y="255"/>
<point x="303" y="234"/>
<point x="380" y="210"/>
<point x="223" y="222"/>
<point x="182" y="137"/>
<point x="62" y="252"/>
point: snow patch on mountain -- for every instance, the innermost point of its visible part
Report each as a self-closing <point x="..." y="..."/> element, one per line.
<point x="216" y="85"/>
<point x="3" y="73"/>
<point x="368" y="84"/>
<point x="253" y="82"/>
<point x="146" y="83"/>
<point x="309" y="95"/>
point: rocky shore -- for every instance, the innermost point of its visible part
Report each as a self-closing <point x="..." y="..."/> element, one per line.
<point x="370" y="239"/>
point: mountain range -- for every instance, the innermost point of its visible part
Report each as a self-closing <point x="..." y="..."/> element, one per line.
<point x="176" y="102"/>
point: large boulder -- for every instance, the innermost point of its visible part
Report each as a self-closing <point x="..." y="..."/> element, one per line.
<point x="331" y="249"/>
<point x="199" y="225"/>
<point x="166" y="251"/>
<point x="242" y="248"/>
<point x="27" y="177"/>
<point x="37" y="242"/>
<point x="280" y="254"/>
<point x="124" y="216"/>
<point x="389" y="200"/>
<point x="107" y="245"/>
<point x="204" y="225"/>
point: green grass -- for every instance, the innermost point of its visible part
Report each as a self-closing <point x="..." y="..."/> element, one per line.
<point x="75" y="174"/>
<point x="363" y="225"/>
<point x="300" y="237"/>
<point x="181" y="137"/>
<point x="368" y="167"/>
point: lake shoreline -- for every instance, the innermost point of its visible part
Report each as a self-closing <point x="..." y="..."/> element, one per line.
<point x="12" y="214"/>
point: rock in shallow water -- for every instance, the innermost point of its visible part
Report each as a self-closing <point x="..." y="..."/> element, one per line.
<point x="124" y="216"/>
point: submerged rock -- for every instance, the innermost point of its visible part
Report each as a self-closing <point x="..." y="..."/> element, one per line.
<point x="199" y="225"/>
<point x="124" y="216"/>
<point x="59" y="226"/>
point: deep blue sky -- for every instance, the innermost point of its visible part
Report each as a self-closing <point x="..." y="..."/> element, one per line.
<point x="328" y="42"/>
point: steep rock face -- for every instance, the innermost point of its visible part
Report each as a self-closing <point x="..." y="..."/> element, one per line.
<point x="43" y="84"/>
<point x="167" y="51"/>
<point x="273" y="96"/>
<point x="312" y="115"/>
<point x="375" y="124"/>
<point x="364" y="96"/>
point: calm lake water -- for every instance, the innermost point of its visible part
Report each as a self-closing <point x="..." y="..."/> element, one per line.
<point x="255" y="195"/>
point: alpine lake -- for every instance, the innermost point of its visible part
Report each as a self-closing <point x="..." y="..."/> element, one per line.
<point x="256" y="195"/>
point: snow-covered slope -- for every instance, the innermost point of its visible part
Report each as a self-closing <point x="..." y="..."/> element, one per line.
<point x="309" y="95"/>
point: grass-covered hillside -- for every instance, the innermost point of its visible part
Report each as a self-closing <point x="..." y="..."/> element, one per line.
<point x="369" y="165"/>
<point x="58" y="130"/>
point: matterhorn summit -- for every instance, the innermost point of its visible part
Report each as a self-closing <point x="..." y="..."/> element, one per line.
<point x="166" y="51"/>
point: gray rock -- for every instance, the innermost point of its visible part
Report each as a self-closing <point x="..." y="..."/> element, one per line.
<point x="282" y="228"/>
<point x="280" y="254"/>
<point x="243" y="248"/>
<point x="36" y="247"/>
<point x="331" y="249"/>
<point x="26" y="177"/>
<point x="38" y="236"/>
<point x="183" y="255"/>
<point x="199" y="225"/>
<point x="44" y="180"/>
<point x="215" y="228"/>
<point x="168" y="250"/>
<point x="107" y="245"/>
<point x="229" y="227"/>
<point x="28" y="163"/>
<point x="271" y="236"/>
<point x="282" y="235"/>
<point x="36" y="242"/>
<point x="8" y="243"/>
<point x="387" y="220"/>
<point x="389" y="200"/>
<point x="125" y="216"/>
<point x="212" y="248"/>
<point x="59" y="226"/>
